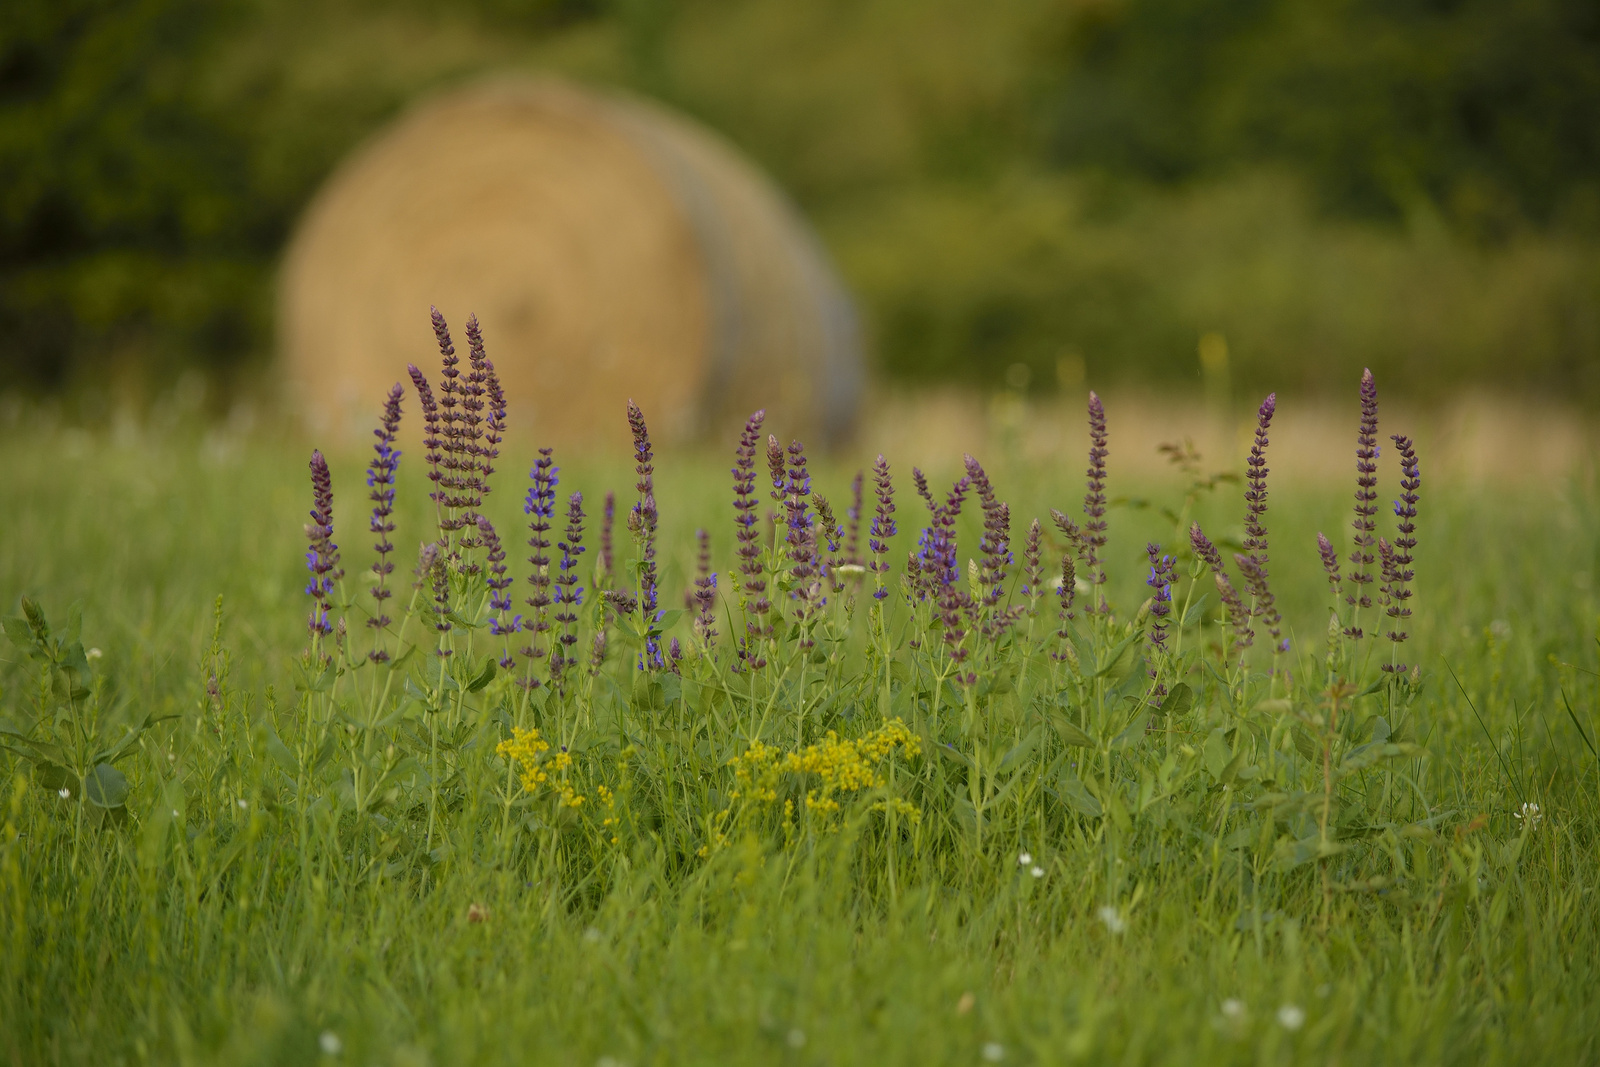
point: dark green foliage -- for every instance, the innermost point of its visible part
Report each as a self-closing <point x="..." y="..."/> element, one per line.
<point x="1479" y="109"/>
<point x="1017" y="184"/>
<point x="133" y="215"/>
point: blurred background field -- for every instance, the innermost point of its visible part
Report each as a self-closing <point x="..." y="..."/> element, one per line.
<point x="1039" y="193"/>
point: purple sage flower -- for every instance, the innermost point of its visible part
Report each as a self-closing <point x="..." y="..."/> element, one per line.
<point x="705" y="593"/>
<point x="500" y="624"/>
<point x="1398" y="572"/>
<point x="995" y="545"/>
<point x="1067" y="592"/>
<point x="608" y="516"/>
<point x="1365" y="524"/>
<point x="540" y="507"/>
<point x="431" y="434"/>
<point x="1237" y="614"/>
<point x="832" y="540"/>
<point x="1033" y="566"/>
<point x="801" y="537"/>
<point x="568" y="593"/>
<point x="777" y="468"/>
<point x="1094" y="500"/>
<point x="438" y="572"/>
<point x="642" y="521"/>
<point x="852" y="530"/>
<point x="1162" y="574"/>
<point x="1255" y="542"/>
<point x="752" y="571"/>
<point x="380" y="479"/>
<point x="883" y="527"/>
<point x="1330" y="562"/>
<point x="322" y="558"/>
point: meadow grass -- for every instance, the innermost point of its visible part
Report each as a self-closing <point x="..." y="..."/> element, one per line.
<point x="1184" y="897"/>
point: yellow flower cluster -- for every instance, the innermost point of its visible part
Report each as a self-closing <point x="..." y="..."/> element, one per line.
<point x="527" y="748"/>
<point x="843" y="766"/>
<point x="610" y="822"/>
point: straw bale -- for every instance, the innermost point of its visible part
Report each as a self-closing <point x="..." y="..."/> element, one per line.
<point x="610" y="249"/>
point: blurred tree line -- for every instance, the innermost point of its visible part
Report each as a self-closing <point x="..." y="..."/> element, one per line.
<point x="1045" y="186"/>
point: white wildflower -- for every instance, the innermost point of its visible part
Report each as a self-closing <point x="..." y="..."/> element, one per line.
<point x="64" y="793"/>
<point x="330" y="1043"/>
<point x="994" y="1051"/>
<point x="797" y="1038"/>
<point x="243" y="803"/>
<point x="1233" y="1008"/>
<point x="1529" y="814"/>
<point x="1024" y="859"/>
<point x="1291" y="1016"/>
<point x="1113" y="919"/>
<point x="1037" y="872"/>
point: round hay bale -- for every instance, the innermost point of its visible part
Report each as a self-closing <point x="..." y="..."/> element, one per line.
<point x="610" y="249"/>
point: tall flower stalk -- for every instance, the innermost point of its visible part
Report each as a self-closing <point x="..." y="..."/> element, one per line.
<point x="1362" y="555"/>
<point x="381" y="481"/>
<point x="752" y="578"/>
<point x="1263" y="604"/>
<point x="883" y="528"/>
<point x="800" y="541"/>
<point x="1235" y="615"/>
<point x="642" y="521"/>
<point x="1162" y="575"/>
<point x="568" y="595"/>
<point x="499" y="582"/>
<point x="1397" y="572"/>
<point x="852" y="525"/>
<point x="322" y="557"/>
<point x="1094" y="504"/>
<point x="540" y="507"/>
<point x="704" y="596"/>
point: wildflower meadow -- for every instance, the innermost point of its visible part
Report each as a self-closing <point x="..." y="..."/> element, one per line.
<point x="494" y="755"/>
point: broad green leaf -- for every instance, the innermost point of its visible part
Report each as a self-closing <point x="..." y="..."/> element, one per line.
<point x="314" y="680"/>
<point x="1117" y="810"/>
<point x="1290" y="854"/>
<point x="667" y="620"/>
<point x="281" y="755"/>
<point x="1378" y="684"/>
<point x="105" y="786"/>
<point x="1134" y="731"/>
<point x="1364" y="756"/>
<point x="1070" y="733"/>
<point x="1178" y="701"/>
<point x="1018" y="751"/>
<point x="1218" y="751"/>
<point x="484" y="676"/>
<point x="671" y="689"/>
<point x="1077" y="797"/>
<point x="53" y="776"/>
<point x="18" y="631"/>
<point x="1235" y="765"/>
<point x="1116" y="665"/>
<point x="1307" y="745"/>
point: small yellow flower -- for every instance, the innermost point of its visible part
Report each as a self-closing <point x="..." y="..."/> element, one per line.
<point x="526" y="747"/>
<point x="841" y="768"/>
